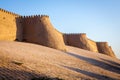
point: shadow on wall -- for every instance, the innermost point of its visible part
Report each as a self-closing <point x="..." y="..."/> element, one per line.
<point x="97" y="63"/>
<point x="90" y="74"/>
<point x="8" y="74"/>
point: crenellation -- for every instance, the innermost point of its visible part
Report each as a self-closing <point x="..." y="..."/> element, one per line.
<point x="19" y="17"/>
<point x="45" y="16"/>
<point x="39" y="30"/>
<point x="33" y="16"/>
<point x="102" y="42"/>
<point x="11" y="13"/>
<point x="29" y="16"/>
<point x="74" y="34"/>
<point x="24" y="16"/>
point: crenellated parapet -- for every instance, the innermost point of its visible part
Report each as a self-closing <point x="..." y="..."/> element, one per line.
<point x="30" y="19"/>
<point x="72" y="34"/>
<point x="33" y="16"/>
<point x="7" y="12"/>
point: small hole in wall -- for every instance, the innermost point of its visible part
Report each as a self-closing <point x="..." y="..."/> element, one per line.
<point x="3" y="17"/>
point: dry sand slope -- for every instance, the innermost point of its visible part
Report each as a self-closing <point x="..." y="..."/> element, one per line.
<point x="24" y="61"/>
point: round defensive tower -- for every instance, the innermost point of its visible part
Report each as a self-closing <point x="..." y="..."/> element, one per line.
<point x="39" y="30"/>
<point x="79" y="40"/>
<point x="104" y="48"/>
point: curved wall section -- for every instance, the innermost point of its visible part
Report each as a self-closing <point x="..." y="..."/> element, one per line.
<point x="80" y="41"/>
<point x="104" y="48"/>
<point x="38" y="29"/>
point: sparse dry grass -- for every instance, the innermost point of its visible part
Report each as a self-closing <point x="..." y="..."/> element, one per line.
<point x="39" y="60"/>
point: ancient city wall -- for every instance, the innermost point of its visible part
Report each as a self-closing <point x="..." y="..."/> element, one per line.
<point x="72" y="40"/>
<point x="104" y="48"/>
<point x="93" y="45"/>
<point x="112" y="52"/>
<point x="39" y="30"/>
<point x="80" y="41"/>
<point x="7" y="25"/>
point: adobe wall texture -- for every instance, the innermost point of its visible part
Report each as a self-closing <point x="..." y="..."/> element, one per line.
<point x="75" y="40"/>
<point x="93" y="45"/>
<point x="104" y="48"/>
<point x="80" y="41"/>
<point x="112" y="52"/>
<point x="7" y="25"/>
<point x="39" y="30"/>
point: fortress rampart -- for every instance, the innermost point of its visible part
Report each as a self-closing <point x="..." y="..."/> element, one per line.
<point x="93" y="45"/>
<point x="38" y="29"/>
<point x="77" y="40"/>
<point x="7" y="25"/>
<point x="104" y="48"/>
<point x="80" y="40"/>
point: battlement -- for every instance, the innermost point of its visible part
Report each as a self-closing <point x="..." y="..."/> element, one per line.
<point x="105" y="43"/>
<point x="32" y="16"/>
<point x="73" y="34"/>
<point x="11" y="13"/>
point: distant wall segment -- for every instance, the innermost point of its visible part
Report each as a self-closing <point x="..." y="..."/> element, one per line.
<point x="104" y="48"/>
<point x="80" y="40"/>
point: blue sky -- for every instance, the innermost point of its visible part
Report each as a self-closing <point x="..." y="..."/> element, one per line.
<point x="100" y="19"/>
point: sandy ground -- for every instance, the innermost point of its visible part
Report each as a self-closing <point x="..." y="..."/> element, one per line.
<point x="24" y="61"/>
